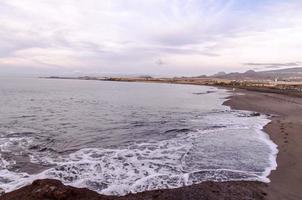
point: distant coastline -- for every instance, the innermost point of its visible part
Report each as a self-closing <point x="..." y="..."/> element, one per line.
<point x="279" y="87"/>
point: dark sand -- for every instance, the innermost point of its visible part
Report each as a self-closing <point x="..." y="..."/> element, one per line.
<point x="55" y="190"/>
<point x="286" y="182"/>
<point x="286" y="131"/>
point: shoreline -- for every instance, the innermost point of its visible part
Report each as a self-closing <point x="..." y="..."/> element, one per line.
<point x="284" y="130"/>
<point x="285" y="122"/>
<point x="286" y="88"/>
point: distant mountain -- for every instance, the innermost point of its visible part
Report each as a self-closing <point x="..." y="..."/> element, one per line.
<point x="289" y="74"/>
<point x="288" y="70"/>
<point x="220" y="74"/>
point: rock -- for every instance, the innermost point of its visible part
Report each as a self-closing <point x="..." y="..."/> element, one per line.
<point x="51" y="190"/>
<point x="2" y="191"/>
<point x="255" y="114"/>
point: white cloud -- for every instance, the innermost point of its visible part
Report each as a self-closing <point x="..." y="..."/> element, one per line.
<point x="194" y="36"/>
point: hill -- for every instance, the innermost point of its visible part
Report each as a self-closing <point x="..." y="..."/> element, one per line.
<point x="290" y="74"/>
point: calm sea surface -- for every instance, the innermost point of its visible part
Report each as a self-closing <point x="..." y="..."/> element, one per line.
<point x="117" y="138"/>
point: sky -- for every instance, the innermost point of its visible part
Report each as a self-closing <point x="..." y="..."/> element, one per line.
<point x="156" y="37"/>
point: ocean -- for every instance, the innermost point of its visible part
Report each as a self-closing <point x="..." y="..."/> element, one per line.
<point x="116" y="138"/>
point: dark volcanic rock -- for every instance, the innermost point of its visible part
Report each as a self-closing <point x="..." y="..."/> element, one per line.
<point x="255" y="114"/>
<point x="50" y="190"/>
<point x="1" y="192"/>
<point x="54" y="190"/>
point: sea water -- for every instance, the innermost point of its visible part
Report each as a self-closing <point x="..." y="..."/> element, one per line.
<point x="116" y="138"/>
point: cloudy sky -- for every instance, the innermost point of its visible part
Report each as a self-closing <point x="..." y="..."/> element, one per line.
<point x="161" y="37"/>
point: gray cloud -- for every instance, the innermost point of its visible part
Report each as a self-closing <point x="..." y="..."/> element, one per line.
<point x="186" y="51"/>
<point x="274" y="65"/>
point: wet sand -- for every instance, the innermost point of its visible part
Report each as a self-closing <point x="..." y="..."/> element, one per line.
<point x="286" y="131"/>
<point x="286" y="182"/>
<point x="55" y="190"/>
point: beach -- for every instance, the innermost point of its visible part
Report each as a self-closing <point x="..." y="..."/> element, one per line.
<point x="284" y="130"/>
<point x="150" y="100"/>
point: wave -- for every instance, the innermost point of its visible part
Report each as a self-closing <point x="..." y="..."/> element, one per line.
<point x="229" y="146"/>
<point x="183" y="160"/>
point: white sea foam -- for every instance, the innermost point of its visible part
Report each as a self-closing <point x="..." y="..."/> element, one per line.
<point x="234" y="147"/>
<point x="147" y="166"/>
